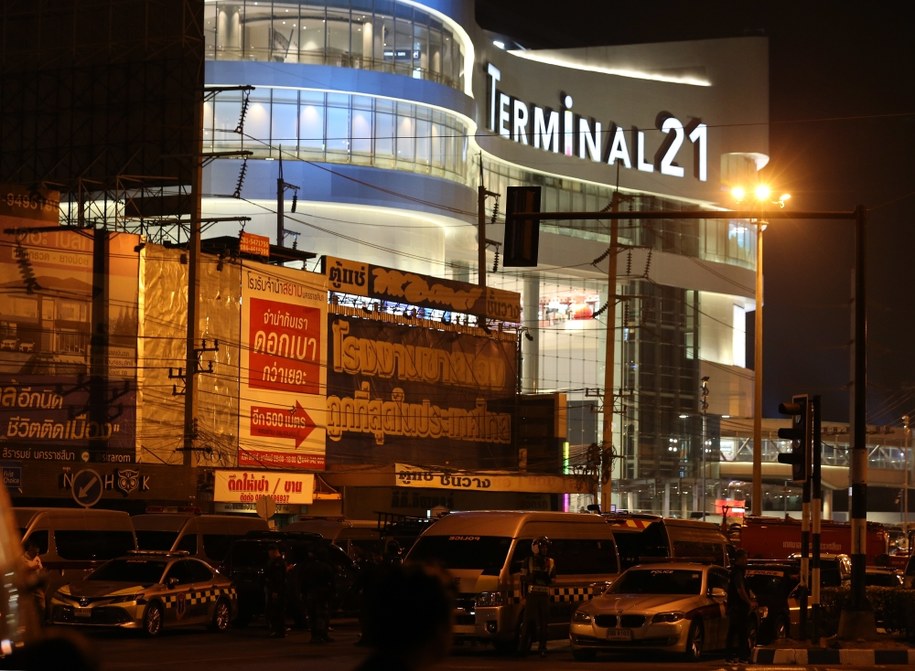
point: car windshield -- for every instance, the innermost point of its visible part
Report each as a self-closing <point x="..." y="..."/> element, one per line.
<point x="487" y="553"/>
<point x="137" y="571"/>
<point x="658" y="581"/>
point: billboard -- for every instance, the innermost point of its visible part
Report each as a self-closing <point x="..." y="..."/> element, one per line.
<point x="283" y="377"/>
<point x="417" y="394"/>
<point x="68" y="333"/>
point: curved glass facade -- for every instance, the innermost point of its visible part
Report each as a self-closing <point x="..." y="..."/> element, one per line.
<point x="380" y="35"/>
<point x="334" y="127"/>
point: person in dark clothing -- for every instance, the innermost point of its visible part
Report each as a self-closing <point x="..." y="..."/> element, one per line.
<point x="275" y="584"/>
<point x="318" y="582"/>
<point x="738" y="609"/>
<point x="408" y="614"/>
<point x="536" y="578"/>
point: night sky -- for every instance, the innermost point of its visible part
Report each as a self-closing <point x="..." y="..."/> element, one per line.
<point x="842" y="134"/>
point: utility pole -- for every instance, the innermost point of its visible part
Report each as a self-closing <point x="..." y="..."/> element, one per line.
<point x="609" y="362"/>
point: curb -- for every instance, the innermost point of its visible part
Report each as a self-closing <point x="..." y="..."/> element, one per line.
<point x="804" y="656"/>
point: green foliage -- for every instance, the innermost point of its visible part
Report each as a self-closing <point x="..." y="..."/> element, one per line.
<point x="894" y="609"/>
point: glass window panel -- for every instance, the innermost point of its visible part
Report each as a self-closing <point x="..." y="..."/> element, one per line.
<point x="384" y="128"/>
<point x="256" y="25"/>
<point x="338" y="127"/>
<point x="311" y="123"/>
<point x="284" y="121"/>
<point x="435" y="47"/>
<point x="283" y="33"/>
<point x="311" y="35"/>
<point x="406" y="133"/>
<point x="362" y="125"/>
<point x="421" y="47"/>
<point x="403" y="46"/>
<point x="338" y="34"/>
<point x="423" y="141"/>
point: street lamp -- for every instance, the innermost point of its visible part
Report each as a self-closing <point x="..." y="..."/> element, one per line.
<point x="703" y="409"/>
<point x="762" y="197"/>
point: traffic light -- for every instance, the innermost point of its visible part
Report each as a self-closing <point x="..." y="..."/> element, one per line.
<point x="522" y="234"/>
<point x="800" y="435"/>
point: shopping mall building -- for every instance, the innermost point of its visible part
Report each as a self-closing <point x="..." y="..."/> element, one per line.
<point x="389" y="117"/>
<point x="385" y="134"/>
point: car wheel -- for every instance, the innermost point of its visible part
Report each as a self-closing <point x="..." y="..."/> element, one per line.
<point x="152" y="619"/>
<point x="694" y="641"/>
<point x="222" y="616"/>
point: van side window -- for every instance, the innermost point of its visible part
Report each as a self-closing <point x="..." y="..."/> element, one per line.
<point x="40" y="538"/>
<point x="82" y="544"/>
<point x="699" y="551"/>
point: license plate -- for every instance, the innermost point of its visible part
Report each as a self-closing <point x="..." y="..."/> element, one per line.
<point x="82" y="612"/>
<point x="617" y="634"/>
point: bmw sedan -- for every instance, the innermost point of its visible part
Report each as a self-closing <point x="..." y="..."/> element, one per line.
<point x="666" y="607"/>
<point x="148" y="591"/>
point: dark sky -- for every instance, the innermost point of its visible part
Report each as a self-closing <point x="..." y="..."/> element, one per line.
<point x="842" y="134"/>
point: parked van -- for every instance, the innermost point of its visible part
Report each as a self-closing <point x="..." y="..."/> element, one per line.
<point x="642" y="537"/>
<point x="206" y="537"/>
<point x="360" y="540"/>
<point x="484" y="552"/>
<point x="73" y="541"/>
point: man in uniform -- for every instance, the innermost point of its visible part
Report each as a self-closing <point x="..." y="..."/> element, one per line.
<point x="738" y="608"/>
<point x="536" y="578"/>
<point x="275" y="588"/>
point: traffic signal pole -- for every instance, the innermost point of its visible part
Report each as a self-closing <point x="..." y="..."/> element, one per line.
<point x="857" y="620"/>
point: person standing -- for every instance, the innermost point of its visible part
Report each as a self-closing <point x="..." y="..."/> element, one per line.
<point x="275" y="578"/>
<point x="536" y="578"/>
<point x="738" y="609"/>
<point x="408" y="618"/>
<point x="319" y="579"/>
<point x="35" y="576"/>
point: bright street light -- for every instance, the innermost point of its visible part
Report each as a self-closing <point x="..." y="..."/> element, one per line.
<point x="762" y="195"/>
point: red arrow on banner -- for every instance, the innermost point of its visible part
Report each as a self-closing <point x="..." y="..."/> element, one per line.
<point x="295" y="424"/>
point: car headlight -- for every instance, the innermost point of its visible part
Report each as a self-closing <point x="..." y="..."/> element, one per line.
<point x="673" y="616"/>
<point x="581" y="617"/>
<point x="126" y="598"/>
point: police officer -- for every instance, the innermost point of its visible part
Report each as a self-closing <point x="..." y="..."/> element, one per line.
<point x="275" y="591"/>
<point x="536" y="577"/>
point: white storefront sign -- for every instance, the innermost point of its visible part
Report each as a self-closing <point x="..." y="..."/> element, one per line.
<point x="248" y="486"/>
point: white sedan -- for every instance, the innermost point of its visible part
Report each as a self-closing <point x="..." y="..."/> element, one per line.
<point x="667" y="607"/>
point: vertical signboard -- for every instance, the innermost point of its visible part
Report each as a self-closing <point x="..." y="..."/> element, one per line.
<point x="284" y="350"/>
<point x="54" y="406"/>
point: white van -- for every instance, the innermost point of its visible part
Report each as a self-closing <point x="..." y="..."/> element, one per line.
<point x="484" y="552"/>
<point x="73" y="541"/>
<point x="206" y="537"/>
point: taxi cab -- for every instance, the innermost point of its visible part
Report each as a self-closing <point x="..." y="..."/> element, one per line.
<point x="148" y="591"/>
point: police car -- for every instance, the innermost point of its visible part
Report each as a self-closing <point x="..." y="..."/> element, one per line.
<point x="148" y="591"/>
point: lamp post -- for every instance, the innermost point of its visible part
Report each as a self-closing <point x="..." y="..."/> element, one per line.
<point x="762" y="195"/>
<point x="703" y="409"/>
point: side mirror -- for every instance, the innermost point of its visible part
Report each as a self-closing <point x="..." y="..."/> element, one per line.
<point x="718" y="593"/>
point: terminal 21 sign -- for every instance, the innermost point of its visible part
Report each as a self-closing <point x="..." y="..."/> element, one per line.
<point x="566" y="132"/>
